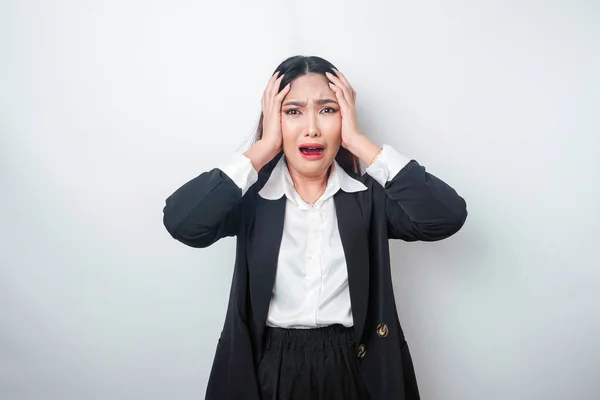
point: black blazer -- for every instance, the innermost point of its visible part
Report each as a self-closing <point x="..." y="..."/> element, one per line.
<point x="414" y="205"/>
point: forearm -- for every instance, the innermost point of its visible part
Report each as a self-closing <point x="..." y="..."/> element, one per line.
<point x="203" y="210"/>
<point x="363" y="148"/>
<point x="421" y="206"/>
<point x="261" y="153"/>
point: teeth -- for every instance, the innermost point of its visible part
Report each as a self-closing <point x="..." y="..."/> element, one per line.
<point x="312" y="150"/>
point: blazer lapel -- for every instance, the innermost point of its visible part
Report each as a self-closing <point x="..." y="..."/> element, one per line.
<point x="268" y="230"/>
<point x="353" y="233"/>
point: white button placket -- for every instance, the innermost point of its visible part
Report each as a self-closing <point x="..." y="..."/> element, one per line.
<point x="314" y="269"/>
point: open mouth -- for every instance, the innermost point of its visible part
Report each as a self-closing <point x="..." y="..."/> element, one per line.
<point x="311" y="151"/>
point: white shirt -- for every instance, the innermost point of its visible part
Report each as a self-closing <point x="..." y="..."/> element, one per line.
<point x="311" y="283"/>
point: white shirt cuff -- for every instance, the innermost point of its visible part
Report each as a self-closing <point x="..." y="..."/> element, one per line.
<point x="387" y="165"/>
<point x="240" y="170"/>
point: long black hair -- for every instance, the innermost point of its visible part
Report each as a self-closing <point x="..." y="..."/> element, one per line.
<point x="295" y="67"/>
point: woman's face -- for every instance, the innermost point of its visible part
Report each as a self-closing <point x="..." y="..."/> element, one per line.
<point x="311" y="125"/>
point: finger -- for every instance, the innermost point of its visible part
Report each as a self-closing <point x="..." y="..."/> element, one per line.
<point x="276" y="85"/>
<point x="272" y="80"/>
<point x="263" y="98"/>
<point x="270" y="83"/>
<point x="281" y="95"/>
<point x="338" y="81"/>
<point x="343" y="78"/>
<point x="273" y="89"/>
<point x="340" y="84"/>
<point x="334" y="78"/>
<point x="339" y="93"/>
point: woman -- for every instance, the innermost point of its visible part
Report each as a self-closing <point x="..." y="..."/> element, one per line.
<point x="311" y="311"/>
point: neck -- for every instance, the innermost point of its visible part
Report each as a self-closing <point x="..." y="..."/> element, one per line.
<point x="310" y="188"/>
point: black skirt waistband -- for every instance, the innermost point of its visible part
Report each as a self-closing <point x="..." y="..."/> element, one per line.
<point x="309" y="339"/>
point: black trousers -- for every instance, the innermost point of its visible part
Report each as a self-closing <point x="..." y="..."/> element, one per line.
<point x="310" y="364"/>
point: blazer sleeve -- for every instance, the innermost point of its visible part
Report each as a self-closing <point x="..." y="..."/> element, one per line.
<point x="420" y="206"/>
<point x="204" y="210"/>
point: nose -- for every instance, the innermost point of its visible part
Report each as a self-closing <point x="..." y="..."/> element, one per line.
<point x="312" y="129"/>
<point x="312" y="133"/>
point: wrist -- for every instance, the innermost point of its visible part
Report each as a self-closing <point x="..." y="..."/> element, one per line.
<point x="270" y="147"/>
<point x="363" y="148"/>
<point x="261" y="153"/>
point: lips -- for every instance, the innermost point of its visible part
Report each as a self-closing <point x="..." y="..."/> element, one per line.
<point x="311" y="151"/>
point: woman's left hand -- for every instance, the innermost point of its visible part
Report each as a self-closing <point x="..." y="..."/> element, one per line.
<point x="346" y="97"/>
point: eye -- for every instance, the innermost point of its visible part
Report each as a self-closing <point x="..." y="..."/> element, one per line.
<point x="329" y="110"/>
<point x="292" y="111"/>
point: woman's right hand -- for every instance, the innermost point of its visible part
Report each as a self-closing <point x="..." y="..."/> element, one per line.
<point x="271" y="108"/>
<point x="270" y="145"/>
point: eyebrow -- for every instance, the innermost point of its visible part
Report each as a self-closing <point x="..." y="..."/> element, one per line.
<point x="302" y="103"/>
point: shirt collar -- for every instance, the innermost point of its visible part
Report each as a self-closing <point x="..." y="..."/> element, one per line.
<point x="280" y="184"/>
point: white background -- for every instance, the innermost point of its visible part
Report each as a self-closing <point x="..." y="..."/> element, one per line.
<point x="106" y="107"/>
